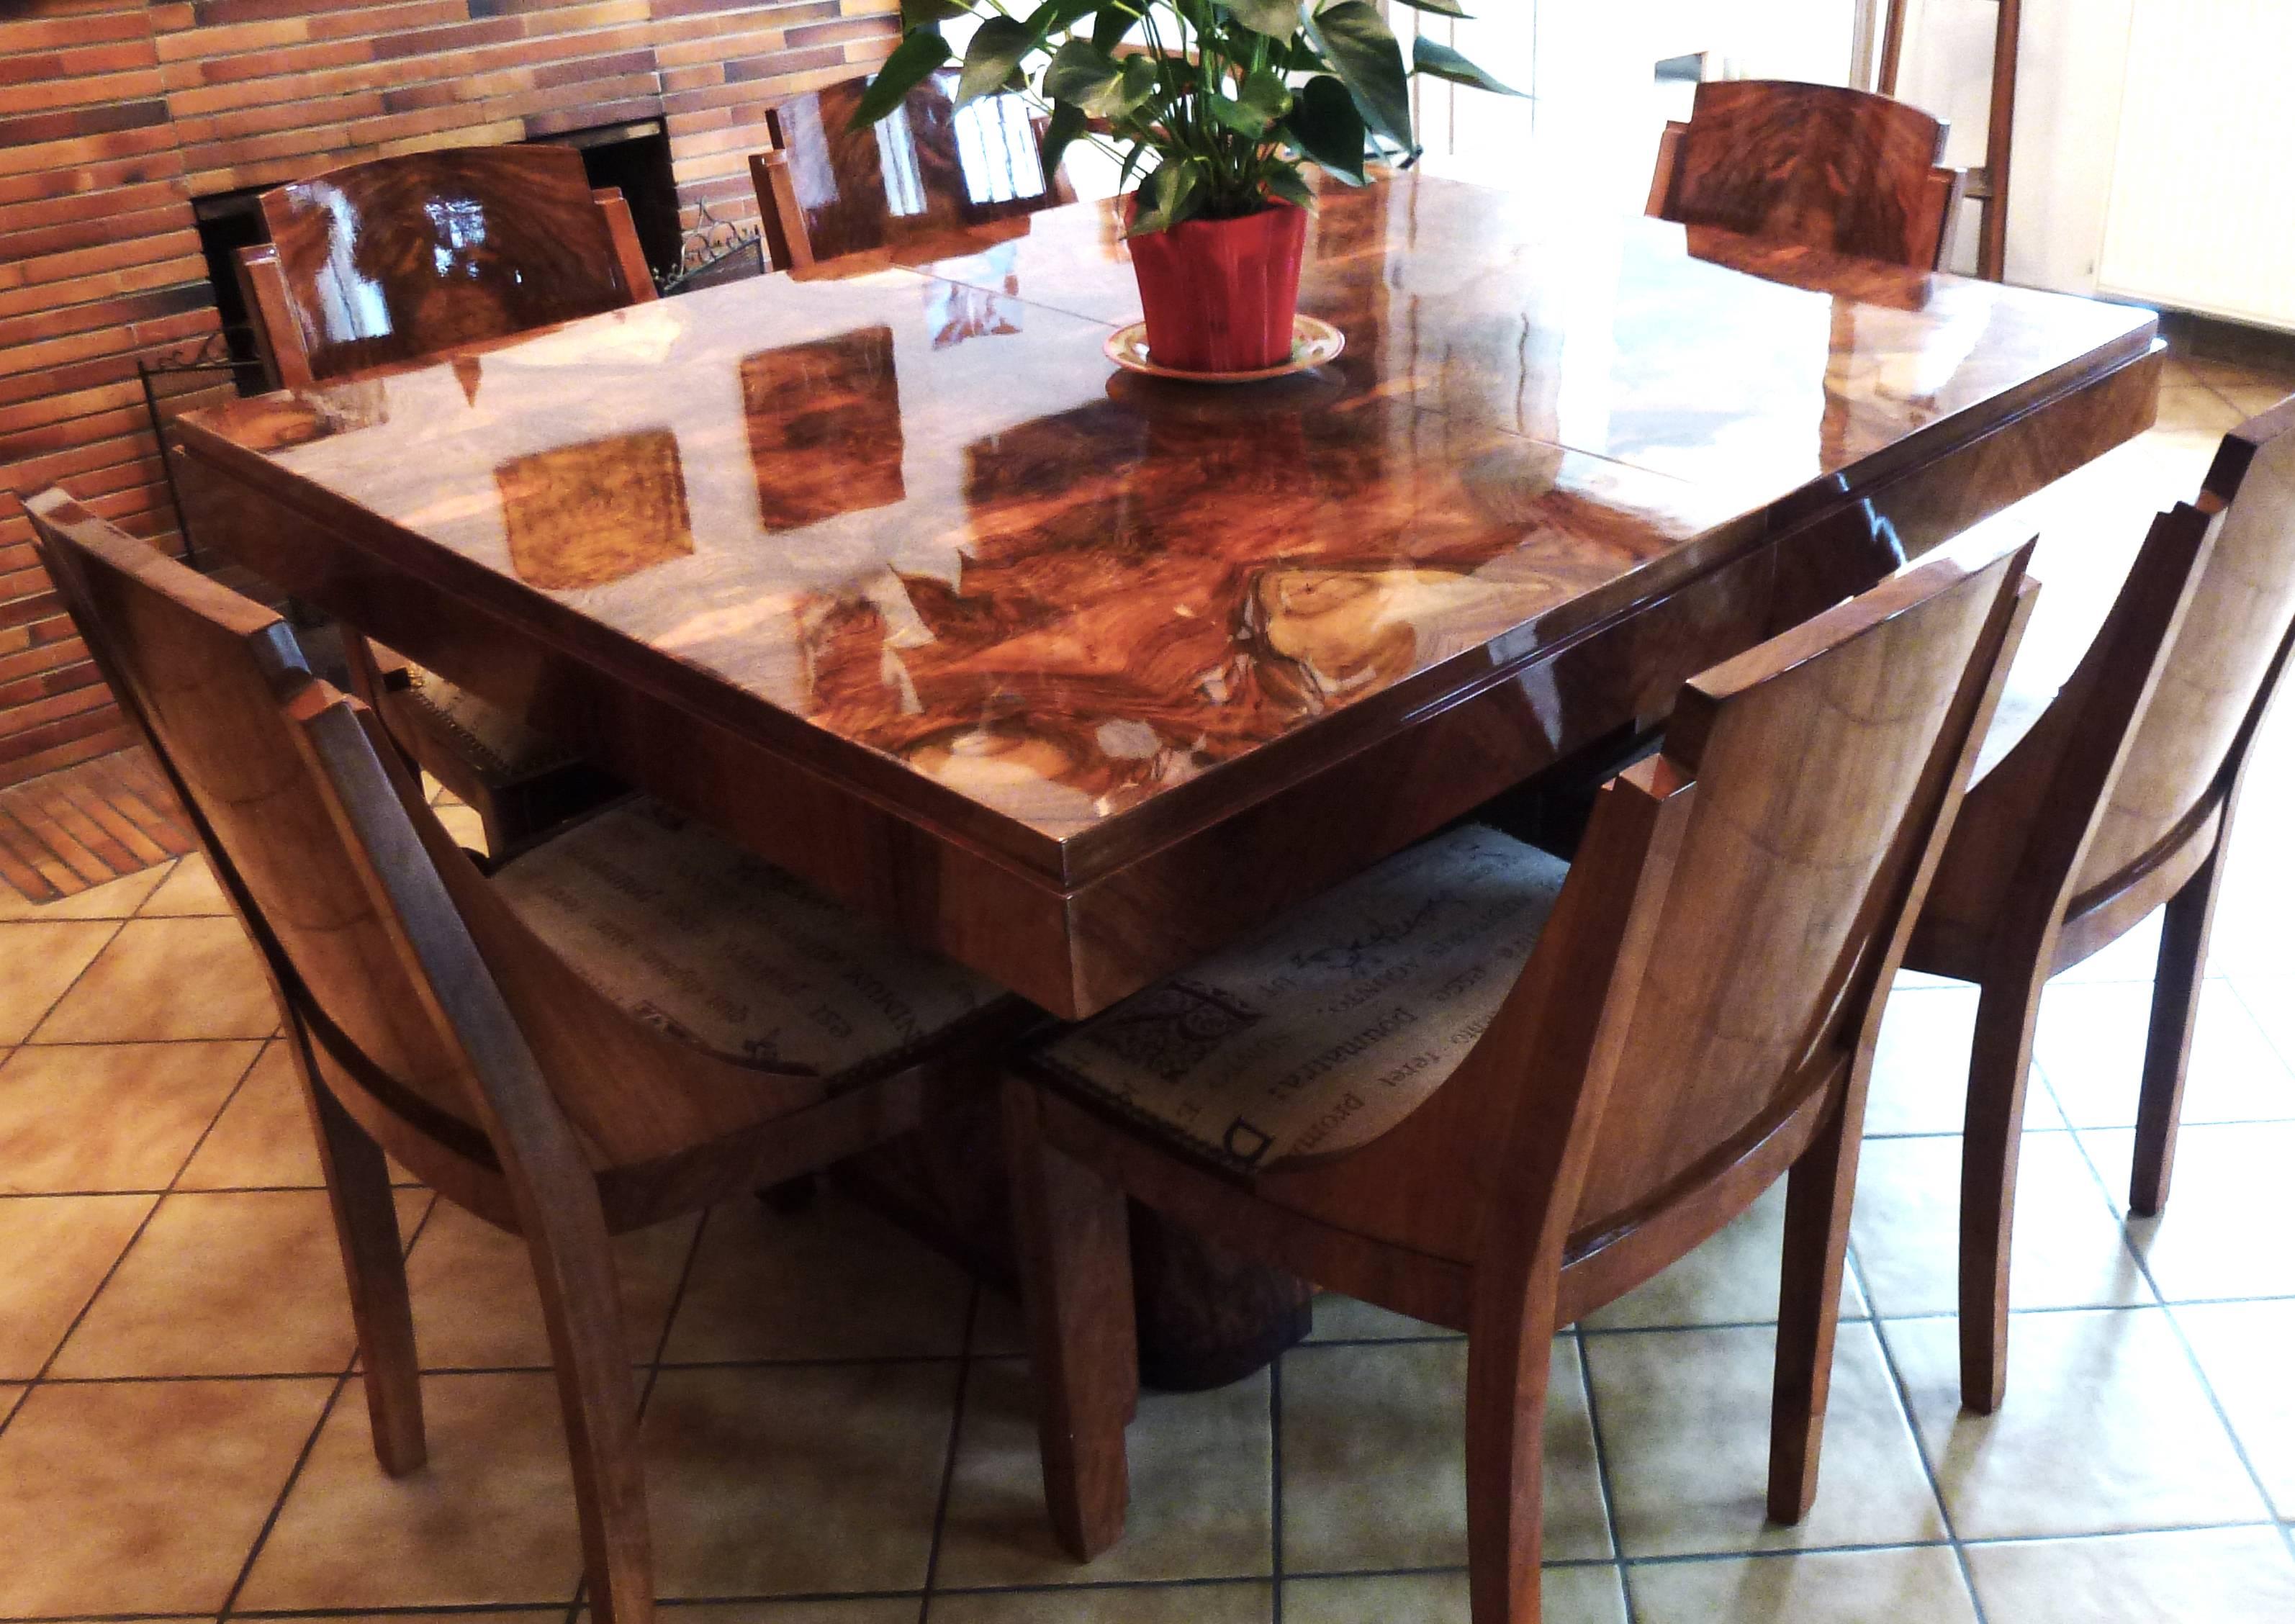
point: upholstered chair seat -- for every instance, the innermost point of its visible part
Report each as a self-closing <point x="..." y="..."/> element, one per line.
<point x="1325" y="1030"/>
<point x="698" y="938"/>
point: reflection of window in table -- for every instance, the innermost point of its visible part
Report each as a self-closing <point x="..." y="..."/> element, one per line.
<point x="996" y="149"/>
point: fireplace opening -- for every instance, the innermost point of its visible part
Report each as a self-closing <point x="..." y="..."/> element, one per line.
<point x="634" y="157"/>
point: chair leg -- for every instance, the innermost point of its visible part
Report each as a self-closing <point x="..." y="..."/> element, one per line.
<point x="581" y="1303"/>
<point x="1508" y="1362"/>
<point x="2000" y="1063"/>
<point x="366" y="1230"/>
<point x="1075" y="1285"/>
<point x="1817" y="1198"/>
<point x="2183" y="932"/>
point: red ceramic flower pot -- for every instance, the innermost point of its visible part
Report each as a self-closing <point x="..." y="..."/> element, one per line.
<point x="1219" y="295"/>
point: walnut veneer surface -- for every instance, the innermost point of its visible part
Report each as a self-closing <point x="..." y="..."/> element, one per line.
<point x="1076" y="675"/>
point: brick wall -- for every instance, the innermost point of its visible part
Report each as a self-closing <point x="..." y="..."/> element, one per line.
<point x="116" y="114"/>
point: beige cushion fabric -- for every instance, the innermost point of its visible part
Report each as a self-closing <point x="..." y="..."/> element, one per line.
<point x="503" y="748"/>
<point x="1325" y="1031"/>
<point x="696" y="936"/>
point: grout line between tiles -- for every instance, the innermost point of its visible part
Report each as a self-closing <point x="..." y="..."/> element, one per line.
<point x="948" y="1462"/>
<point x="1275" y="1477"/>
<point x="33" y="1031"/>
<point x="1602" y="1474"/>
<point x="1920" y="1444"/>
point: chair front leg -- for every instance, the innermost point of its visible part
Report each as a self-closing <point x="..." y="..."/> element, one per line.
<point x="1075" y="1285"/>
<point x="1818" y="1192"/>
<point x="2000" y="1065"/>
<point x="1509" y="1363"/>
<point x="2184" y="926"/>
<point x="374" y="1263"/>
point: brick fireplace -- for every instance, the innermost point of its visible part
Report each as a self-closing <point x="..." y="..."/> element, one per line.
<point x="124" y="122"/>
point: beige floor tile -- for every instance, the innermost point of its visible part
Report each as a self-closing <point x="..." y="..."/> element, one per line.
<point x="1686" y="1427"/>
<point x="2197" y="407"/>
<point x="2253" y="398"/>
<point x="476" y="1305"/>
<point x="58" y="1249"/>
<point x="1732" y="1279"/>
<point x="1374" y="1459"/>
<point x="2090" y="1045"/>
<point x="143" y="1497"/>
<point x="1922" y="1585"/>
<point x="528" y="1615"/>
<point x="1237" y="1603"/>
<point x="891" y="1610"/>
<point x="2221" y="1576"/>
<point x="2230" y="1209"/>
<point x="115" y="1117"/>
<point x="263" y="1140"/>
<point x="191" y="890"/>
<point x="1569" y="1595"/>
<point x="2068" y="1249"/>
<point x="1920" y="1068"/>
<point x="2242" y="1350"/>
<point x="1201" y="1466"/>
<point x="2132" y="956"/>
<point x="2106" y="1428"/>
<point x="43" y="959"/>
<point x="10" y="1394"/>
<point x="489" y="1519"/>
<point x="115" y="899"/>
<point x="228" y="1282"/>
<point x="1339" y="1317"/>
<point x="798" y="1479"/>
<point x="468" y="829"/>
<point x="168" y="978"/>
<point x="836" y="1281"/>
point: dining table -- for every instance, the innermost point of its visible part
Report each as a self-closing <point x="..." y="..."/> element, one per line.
<point x="885" y="570"/>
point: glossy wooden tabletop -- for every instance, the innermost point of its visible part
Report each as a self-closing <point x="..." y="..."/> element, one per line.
<point x="908" y="528"/>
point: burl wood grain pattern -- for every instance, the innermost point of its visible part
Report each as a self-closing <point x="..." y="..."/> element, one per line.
<point x="391" y="260"/>
<point x="826" y="190"/>
<point x="2119" y="799"/>
<point x="1696" y="1020"/>
<point x="1056" y="688"/>
<point x="1819" y="165"/>
<point x="426" y="1019"/>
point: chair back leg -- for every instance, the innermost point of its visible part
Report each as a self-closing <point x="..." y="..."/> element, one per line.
<point x="374" y="1264"/>
<point x="2185" y="924"/>
<point x="1999" y="1067"/>
<point x="1075" y="1281"/>
<point x="1819" y="1193"/>
<point x="1509" y="1362"/>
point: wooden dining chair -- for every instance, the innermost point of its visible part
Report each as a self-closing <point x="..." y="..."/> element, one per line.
<point x="1819" y="166"/>
<point x="385" y="263"/>
<point x="2097" y="805"/>
<point x="630" y="1022"/>
<point x="1488" y="1089"/>
<point x="825" y="189"/>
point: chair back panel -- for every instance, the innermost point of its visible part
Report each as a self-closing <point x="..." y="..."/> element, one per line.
<point x="391" y="260"/>
<point x="215" y="680"/>
<point x="1824" y="760"/>
<point x="2223" y="654"/>
<point x="1816" y="165"/>
<point x="927" y="166"/>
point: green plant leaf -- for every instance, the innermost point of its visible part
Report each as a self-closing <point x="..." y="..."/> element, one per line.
<point x="915" y="57"/>
<point x="1284" y="181"/>
<point x="1447" y="8"/>
<point x="931" y="13"/>
<point x="1083" y="73"/>
<point x="992" y="57"/>
<point x="1444" y="63"/>
<point x="1109" y="28"/>
<point x="1066" y="123"/>
<point x="1169" y="194"/>
<point x="1054" y="15"/>
<point x="1325" y="124"/>
<point x="1266" y="88"/>
<point x="1241" y="117"/>
<point x="1364" y="52"/>
<point x="1139" y="80"/>
<point x="1276" y="19"/>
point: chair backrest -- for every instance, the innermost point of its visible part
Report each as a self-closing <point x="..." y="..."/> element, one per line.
<point x="827" y="189"/>
<point x="1827" y="763"/>
<point x="394" y="259"/>
<point x="223" y="698"/>
<point x="1819" y="166"/>
<point x="2224" y="656"/>
<point x="481" y="1047"/>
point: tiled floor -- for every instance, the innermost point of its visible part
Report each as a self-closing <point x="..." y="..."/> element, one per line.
<point x="838" y="1422"/>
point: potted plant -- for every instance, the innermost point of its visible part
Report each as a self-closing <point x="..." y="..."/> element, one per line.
<point x="1216" y="105"/>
